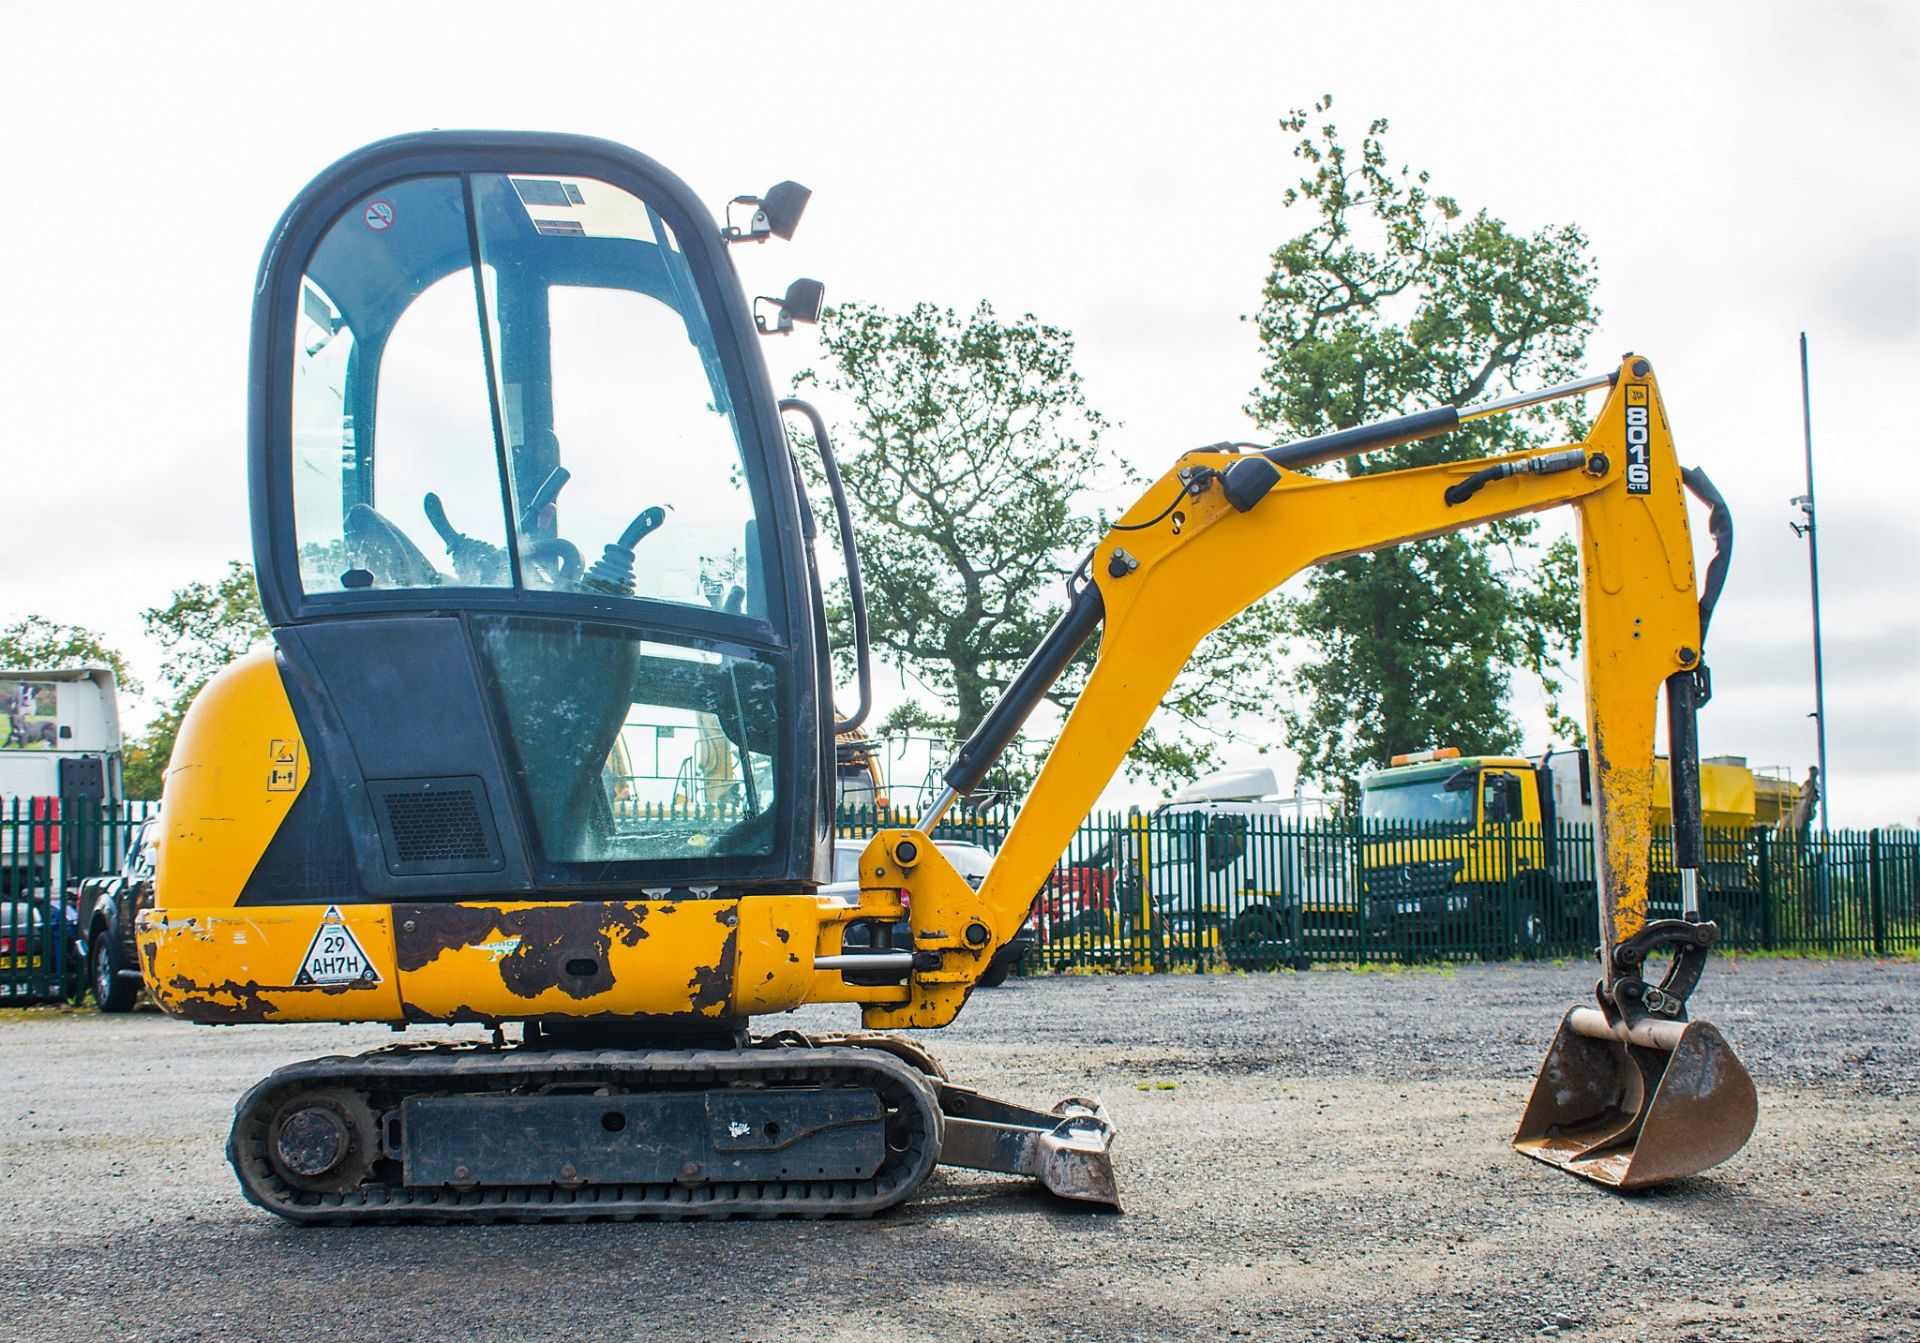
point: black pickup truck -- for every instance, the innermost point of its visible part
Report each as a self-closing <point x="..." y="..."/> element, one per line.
<point x="106" y="908"/>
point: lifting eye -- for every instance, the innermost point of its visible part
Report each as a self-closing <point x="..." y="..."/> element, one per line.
<point x="583" y="967"/>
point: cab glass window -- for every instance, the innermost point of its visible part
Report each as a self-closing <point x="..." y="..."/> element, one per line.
<point x="512" y="380"/>
<point x="1435" y="800"/>
<point x="634" y="750"/>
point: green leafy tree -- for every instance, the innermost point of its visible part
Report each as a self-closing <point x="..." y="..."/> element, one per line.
<point x="34" y="643"/>
<point x="1393" y="299"/>
<point x="971" y="451"/>
<point x="204" y="627"/>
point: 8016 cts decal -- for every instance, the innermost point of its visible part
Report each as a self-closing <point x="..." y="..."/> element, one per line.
<point x="1639" y="464"/>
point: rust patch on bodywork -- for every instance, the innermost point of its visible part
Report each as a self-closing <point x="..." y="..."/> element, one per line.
<point x="225" y="1004"/>
<point x="560" y="946"/>
<point x="463" y="1014"/>
<point x="422" y="932"/>
<point x="711" y="987"/>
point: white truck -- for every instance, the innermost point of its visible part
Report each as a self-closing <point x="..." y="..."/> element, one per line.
<point x="1232" y="862"/>
<point x="59" y="743"/>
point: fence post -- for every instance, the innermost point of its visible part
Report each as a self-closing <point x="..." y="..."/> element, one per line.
<point x="1766" y="891"/>
<point x="1354" y="841"/>
<point x="1875" y="902"/>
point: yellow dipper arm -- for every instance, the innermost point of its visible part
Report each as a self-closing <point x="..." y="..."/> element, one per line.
<point x="1167" y="576"/>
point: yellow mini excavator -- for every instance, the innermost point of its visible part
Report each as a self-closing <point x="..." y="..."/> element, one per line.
<point x="446" y="793"/>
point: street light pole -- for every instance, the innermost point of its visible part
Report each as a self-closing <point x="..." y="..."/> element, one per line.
<point x="1808" y="530"/>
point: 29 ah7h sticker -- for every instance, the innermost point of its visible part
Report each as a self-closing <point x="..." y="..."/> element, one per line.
<point x="335" y="956"/>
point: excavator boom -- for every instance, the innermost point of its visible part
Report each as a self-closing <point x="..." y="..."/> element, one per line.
<point x="1630" y="1094"/>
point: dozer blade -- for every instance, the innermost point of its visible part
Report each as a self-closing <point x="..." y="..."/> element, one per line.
<point x="1637" y="1106"/>
<point x="1068" y="1149"/>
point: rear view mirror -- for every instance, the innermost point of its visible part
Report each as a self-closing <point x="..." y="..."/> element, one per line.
<point x="783" y="205"/>
<point x="1501" y="799"/>
<point x="1460" y="780"/>
<point x="803" y="302"/>
<point x="776" y="214"/>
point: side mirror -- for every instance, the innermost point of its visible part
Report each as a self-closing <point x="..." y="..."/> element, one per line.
<point x="776" y="214"/>
<point x="783" y="205"/>
<point x="1501" y="800"/>
<point x="802" y="302"/>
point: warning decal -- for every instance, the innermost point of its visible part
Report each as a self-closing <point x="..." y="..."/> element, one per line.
<point x="283" y="776"/>
<point x="335" y="957"/>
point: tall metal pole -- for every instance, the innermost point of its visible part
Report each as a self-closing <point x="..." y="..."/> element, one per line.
<point x="1813" y="565"/>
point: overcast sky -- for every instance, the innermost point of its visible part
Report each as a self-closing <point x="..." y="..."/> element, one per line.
<point x="1744" y="172"/>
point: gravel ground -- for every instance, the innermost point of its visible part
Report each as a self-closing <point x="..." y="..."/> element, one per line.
<point x="1313" y="1156"/>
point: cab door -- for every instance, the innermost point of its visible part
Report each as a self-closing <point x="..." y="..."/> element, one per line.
<point x="524" y="515"/>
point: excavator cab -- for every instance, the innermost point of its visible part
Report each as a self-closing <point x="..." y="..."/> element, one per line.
<point x="525" y="515"/>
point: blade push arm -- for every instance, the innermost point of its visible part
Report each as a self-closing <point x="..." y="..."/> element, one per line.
<point x="1222" y="530"/>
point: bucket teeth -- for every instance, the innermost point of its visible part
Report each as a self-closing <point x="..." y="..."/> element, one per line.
<point x="1632" y="1107"/>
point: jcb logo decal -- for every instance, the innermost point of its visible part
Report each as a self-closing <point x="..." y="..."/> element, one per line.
<point x="1639" y="463"/>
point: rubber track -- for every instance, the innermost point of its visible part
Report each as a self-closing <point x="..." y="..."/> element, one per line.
<point x="388" y="1077"/>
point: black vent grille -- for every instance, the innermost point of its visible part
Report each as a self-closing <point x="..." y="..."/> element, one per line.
<point x="437" y="826"/>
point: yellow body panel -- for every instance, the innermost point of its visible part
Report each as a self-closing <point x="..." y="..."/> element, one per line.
<point x="1726" y="796"/>
<point x="238" y="765"/>
<point x="509" y="961"/>
<point x="1640" y="624"/>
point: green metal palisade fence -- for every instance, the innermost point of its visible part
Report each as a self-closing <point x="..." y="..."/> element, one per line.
<point x="47" y="848"/>
<point x="1224" y="889"/>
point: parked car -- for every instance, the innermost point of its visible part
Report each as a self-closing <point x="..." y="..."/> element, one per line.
<point x="22" y="948"/>
<point x="970" y="861"/>
<point x="1077" y="902"/>
<point x="106" y="908"/>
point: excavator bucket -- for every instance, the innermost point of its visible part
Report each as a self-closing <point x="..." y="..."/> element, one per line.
<point x="1633" y="1106"/>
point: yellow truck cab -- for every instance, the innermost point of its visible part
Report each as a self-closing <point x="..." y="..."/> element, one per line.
<point x="1474" y="850"/>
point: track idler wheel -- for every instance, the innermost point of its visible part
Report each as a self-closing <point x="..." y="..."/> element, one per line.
<point x="324" y="1140"/>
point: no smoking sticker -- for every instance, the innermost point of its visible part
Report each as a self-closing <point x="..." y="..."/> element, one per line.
<point x="335" y="956"/>
<point x="378" y="215"/>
